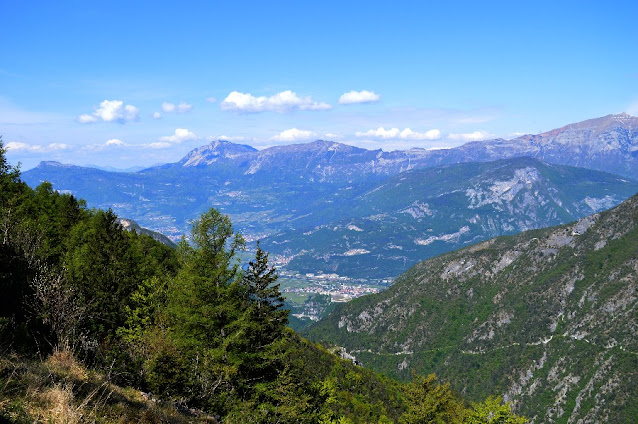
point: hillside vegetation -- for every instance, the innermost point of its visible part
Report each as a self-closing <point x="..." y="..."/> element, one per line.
<point x="92" y="315"/>
<point x="547" y="318"/>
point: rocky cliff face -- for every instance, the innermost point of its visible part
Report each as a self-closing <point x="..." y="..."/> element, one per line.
<point x="548" y="318"/>
<point x="606" y="144"/>
<point x="422" y="213"/>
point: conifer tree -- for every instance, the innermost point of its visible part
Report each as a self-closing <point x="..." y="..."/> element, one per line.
<point x="265" y="299"/>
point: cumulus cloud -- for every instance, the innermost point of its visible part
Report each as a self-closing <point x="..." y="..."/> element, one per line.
<point x="363" y="96"/>
<point x="87" y="119"/>
<point x="293" y="134"/>
<point x="115" y="142"/>
<point x="473" y="136"/>
<point x="168" y="107"/>
<point x="158" y="145"/>
<point x="281" y="102"/>
<point x="408" y="134"/>
<point x="232" y="138"/>
<point x="211" y="99"/>
<point x="20" y="146"/>
<point x="111" y="111"/>
<point x="184" y="107"/>
<point x="180" y="135"/>
<point x="395" y="133"/>
<point x="112" y="143"/>
<point x="157" y="115"/>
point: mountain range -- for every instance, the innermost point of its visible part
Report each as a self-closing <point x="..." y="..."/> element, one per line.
<point x="421" y="213"/>
<point x="548" y="318"/>
<point x="307" y="202"/>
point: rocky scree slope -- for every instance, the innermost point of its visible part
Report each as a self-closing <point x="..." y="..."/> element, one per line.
<point x="548" y="318"/>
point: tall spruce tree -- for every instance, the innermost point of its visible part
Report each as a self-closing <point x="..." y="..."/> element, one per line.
<point x="265" y="301"/>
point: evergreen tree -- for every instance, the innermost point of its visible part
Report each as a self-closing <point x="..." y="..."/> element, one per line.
<point x="430" y="402"/>
<point x="205" y="303"/>
<point x="17" y="256"/>
<point x="265" y="301"/>
<point x="105" y="269"/>
<point x="492" y="411"/>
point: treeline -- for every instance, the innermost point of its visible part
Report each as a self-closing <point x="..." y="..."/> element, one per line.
<point x="187" y="324"/>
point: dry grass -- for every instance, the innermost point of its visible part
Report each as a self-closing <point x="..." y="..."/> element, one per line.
<point x="62" y="390"/>
<point x="63" y="362"/>
<point x="55" y="405"/>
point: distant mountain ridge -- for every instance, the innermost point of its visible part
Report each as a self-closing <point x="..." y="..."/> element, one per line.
<point x="280" y="193"/>
<point x="425" y="212"/>
<point x="546" y="317"/>
<point x="606" y="143"/>
<point x="216" y="150"/>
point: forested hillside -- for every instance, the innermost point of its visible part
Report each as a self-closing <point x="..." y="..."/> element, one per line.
<point x="546" y="318"/>
<point x="92" y="315"/>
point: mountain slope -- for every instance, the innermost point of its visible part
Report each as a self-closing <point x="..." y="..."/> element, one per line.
<point x="548" y="318"/>
<point x="298" y="193"/>
<point x="605" y="144"/>
<point x="223" y="174"/>
<point x="130" y="225"/>
<point x="425" y="212"/>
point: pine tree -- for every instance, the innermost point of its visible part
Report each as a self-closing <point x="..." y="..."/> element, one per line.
<point x="265" y="299"/>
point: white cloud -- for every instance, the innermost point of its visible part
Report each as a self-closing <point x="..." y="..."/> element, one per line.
<point x="211" y="99"/>
<point x="86" y="119"/>
<point x="363" y="96"/>
<point x="157" y="115"/>
<point x="182" y="107"/>
<point x="158" y="145"/>
<point x="332" y="136"/>
<point x="280" y="102"/>
<point x="395" y="133"/>
<point x="408" y="134"/>
<point x="232" y="138"/>
<point x="473" y="136"/>
<point x="57" y="146"/>
<point x="180" y="135"/>
<point x="379" y="133"/>
<point x="115" y="142"/>
<point x="293" y="134"/>
<point x="111" y="111"/>
<point x="18" y="146"/>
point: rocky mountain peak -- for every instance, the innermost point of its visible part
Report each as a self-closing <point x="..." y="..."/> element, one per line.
<point x="597" y="125"/>
<point x="215" y="150"/>
<point x="319" y="146"/>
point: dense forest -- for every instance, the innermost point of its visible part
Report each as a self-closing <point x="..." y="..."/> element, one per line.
<point x="191" y="328"/>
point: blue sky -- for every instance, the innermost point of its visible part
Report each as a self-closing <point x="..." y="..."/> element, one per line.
<point x="137" y="83"/>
